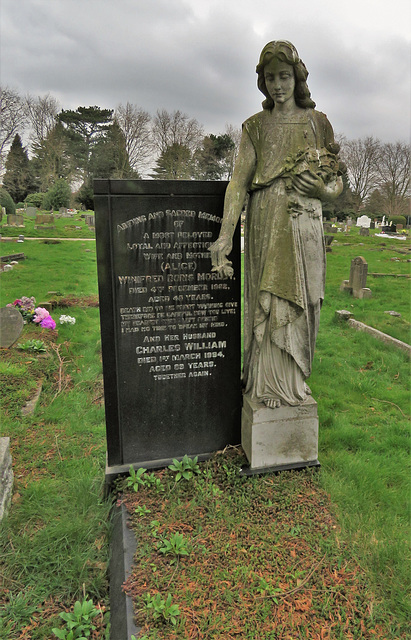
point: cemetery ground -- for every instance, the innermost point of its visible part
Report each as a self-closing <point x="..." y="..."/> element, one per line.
<point x="296" y="555"/>
<point x="74" y="227"/>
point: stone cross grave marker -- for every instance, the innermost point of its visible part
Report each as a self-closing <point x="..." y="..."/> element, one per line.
<point x="170" y="326"/>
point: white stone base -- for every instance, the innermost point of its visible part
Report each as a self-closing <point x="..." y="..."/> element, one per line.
<point x="278" y="437"/>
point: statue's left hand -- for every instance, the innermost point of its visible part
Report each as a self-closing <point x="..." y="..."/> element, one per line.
<point x="310" y="185"/>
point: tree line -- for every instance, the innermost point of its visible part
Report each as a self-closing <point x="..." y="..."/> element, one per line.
<point x="71" y="147"/>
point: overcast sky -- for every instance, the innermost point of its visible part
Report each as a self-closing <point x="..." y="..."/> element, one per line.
<point x="199" y="56"/>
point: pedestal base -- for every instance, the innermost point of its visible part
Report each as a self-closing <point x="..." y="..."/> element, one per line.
<point x="282" y="438"/>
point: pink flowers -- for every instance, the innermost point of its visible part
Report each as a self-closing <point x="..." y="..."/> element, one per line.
<point x="48" y="323"/>
<point x="40" y="314"/>
<point x="43" y="318"/>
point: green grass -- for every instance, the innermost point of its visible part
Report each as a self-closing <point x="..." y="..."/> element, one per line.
<point x="70" y="268"/>
<point x="55" y="539"/>
<point x="65" y="228"/>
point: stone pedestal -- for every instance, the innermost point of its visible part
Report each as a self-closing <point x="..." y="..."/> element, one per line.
<point x="282" y="438"/>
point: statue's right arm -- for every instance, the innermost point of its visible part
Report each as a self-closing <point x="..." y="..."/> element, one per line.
<point x="234" y="200"/>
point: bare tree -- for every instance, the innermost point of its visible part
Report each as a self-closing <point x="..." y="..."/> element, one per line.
<point x="176" y="128"/>
<point x="361" y="157"/>
<point x="42" y="115"/>
<point x="235" y="135"/>
<point x="13" y="119"/>
<point x="135" y="125"/>
<point x="394" y="175"/>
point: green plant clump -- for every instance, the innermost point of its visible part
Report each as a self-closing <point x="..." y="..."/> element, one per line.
<point x="175" y="546"/>
<point x="161" y="608"/>
<point x="33" y="345"/>
<point x="6" y="201"/>
<point x="185" y="468"/>
<point x="397" y="220"/>
<point x="35" y="200"/>
<point x="79" y="623"/>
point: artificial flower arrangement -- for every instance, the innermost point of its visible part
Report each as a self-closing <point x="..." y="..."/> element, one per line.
<point x="31" y="313"/>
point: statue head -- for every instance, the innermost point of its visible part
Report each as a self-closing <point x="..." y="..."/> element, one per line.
<point x="285" y="52"/>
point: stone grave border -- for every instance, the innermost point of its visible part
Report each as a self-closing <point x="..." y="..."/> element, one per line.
<point x="346" y="316"/>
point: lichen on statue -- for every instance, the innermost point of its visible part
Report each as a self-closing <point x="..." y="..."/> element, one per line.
<point x="288" y="163"/>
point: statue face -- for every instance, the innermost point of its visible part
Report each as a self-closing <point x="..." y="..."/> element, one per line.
<point x="280" y="81"/>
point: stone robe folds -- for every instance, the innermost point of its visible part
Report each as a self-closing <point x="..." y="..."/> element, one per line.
<point x="284" y="258"/>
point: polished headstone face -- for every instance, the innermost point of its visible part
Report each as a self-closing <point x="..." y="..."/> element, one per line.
<point x="170" y="327"/>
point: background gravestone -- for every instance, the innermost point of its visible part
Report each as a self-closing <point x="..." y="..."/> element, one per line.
<point x="170" y="327"/>
<point x="31" y="212"/>
<point x="356" y="285"/>
<point x="11" y="326"/>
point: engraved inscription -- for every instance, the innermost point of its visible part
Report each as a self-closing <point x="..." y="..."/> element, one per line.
<point x="173" y="311"/>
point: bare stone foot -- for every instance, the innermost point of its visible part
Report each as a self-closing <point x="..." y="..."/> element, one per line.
<point x="307" y="389"/>
<point x="272" y="403"/>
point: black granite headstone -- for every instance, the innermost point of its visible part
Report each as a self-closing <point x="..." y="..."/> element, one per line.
<point x="170" y="327"/>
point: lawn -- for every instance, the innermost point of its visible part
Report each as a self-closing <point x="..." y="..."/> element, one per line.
<point x="326" y="552"/>
<point x="74" y="227"/>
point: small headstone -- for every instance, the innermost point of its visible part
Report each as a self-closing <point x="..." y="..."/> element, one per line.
<point x="63" y="210"/>
<point x="372" y="225"/>
<point x="44" y="221"/>
<point x="21" y="239"/>
<point x="363" y="221"/>
<point x="15" y="220"/>
<point x="399" y="227"/>
<point x="31" y="212"/>
<point x="328" y="241"/>
<point x="89" y="219"/>
<point x="364" y="231"/>
<point x="11" y="326"/>
<point x="44" y="218"/>
<point x="356" y="285"/>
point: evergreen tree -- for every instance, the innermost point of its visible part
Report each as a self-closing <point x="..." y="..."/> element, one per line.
<point x="343" y="205"/>
<point x="109" y="158"/>
<point x="213" y="159"/>
<point x="18" y="179"/>
<point x="175" y="163"/>
<point x="84" y="128"/>
<point x="58" y="195"/>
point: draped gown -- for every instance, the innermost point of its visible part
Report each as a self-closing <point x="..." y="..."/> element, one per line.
<point x="284" y="259"/>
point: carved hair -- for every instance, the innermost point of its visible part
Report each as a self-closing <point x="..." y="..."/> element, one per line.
<point x="286" y="52"/>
